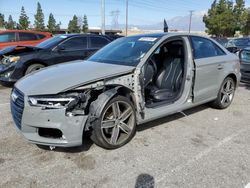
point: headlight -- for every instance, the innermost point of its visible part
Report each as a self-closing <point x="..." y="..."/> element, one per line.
<point x="8" y="74"/>
<point x="52" y="102"/>
<point x="10" y="59"/>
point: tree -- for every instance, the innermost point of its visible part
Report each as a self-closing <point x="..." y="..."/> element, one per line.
<point x="73" y="25"/>
<point x="58" y="26"/>
<point x="10" y="23"/>
<point x="85" y="26"/>
<point x="23" y="20"/>
<point x="51" y="23"/>
<point x="220" y="19"/>
<point x="238" y="10"/>
<point x="2" y="23"/>
<point x="246" y="23"/>
<point x="39" y="18"/>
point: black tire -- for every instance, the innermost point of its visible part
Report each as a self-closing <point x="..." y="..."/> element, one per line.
<point x="33" y="67"/>
<point x="225" y="95"/>
<point x="100" y="135"/>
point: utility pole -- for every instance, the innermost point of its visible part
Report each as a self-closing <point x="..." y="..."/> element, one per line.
<point x="190" y="20"/>
<point x="126" y="17"/>
<point x="103" y="16"/>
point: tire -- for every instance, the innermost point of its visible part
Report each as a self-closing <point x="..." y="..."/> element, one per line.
<point x="116" y="125"/>
<point x="33" y="67"/>
<point x="225" y="95"/>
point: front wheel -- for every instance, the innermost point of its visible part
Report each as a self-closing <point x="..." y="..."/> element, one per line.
<point x="225" y="95"/>
<point x="33" y="67"/>
<point x="116" y="125"/>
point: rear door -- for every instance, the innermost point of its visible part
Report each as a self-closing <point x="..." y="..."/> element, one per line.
<point x="209" y="60"/>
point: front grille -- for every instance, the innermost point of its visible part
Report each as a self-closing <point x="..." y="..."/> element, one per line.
<point x="17" y="106"/>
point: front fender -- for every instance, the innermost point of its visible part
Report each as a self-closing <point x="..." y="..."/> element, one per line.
<point x="97" y="106"/>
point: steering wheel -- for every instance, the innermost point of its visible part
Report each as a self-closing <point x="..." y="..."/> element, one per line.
<point x="153" y="63"/>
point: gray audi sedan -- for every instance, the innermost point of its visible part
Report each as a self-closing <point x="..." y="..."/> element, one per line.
<point x="131" y="81"/>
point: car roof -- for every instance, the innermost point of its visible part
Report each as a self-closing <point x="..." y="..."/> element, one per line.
<point x="25" y="31"/>
<point x="80" y="34"/>
<point x="170" y="34"/>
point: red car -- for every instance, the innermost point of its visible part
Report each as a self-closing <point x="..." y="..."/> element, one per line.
<point x="22" y="37"/>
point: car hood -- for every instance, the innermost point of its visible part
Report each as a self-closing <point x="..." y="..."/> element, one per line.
<point x="18" y="48"/>
<point x="61" y="77"/>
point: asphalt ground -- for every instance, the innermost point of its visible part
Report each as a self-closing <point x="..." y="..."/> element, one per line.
<point x="203" y="148"/>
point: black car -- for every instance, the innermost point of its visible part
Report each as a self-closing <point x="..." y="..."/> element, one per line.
<point x="237" y="44"/>
<point x="245" y="64"/>
<point x="17" y="61"/>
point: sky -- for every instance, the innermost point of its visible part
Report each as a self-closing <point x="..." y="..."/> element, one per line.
<point x="141" y="12"/>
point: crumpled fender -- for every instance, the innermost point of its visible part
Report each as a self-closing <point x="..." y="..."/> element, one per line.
<point x="97" y="106"/>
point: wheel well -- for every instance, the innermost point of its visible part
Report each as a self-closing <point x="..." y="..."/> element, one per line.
<point x="123" y="91"/>
<point x="233" y="76"/>
<point x="31" y="63"/>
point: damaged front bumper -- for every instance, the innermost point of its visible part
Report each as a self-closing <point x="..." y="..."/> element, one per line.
<point x="6" y="73"/>
<point x="50" y="127"/>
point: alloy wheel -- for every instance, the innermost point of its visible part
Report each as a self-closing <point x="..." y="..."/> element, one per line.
<point x="117" y="123"/>
<point x="227" y="92"/>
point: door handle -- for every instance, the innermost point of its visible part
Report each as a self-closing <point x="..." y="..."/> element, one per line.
<point x="219" y="67"/>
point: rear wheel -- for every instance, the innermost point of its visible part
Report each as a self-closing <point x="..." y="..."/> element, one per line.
<point x="225" y="95"/>
<point x="116" y="125"/>
<point x="33" y="67"/>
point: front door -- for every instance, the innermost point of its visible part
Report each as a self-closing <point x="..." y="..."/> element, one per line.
<point x="160" y="108"/>
<point x="74" y="48"/>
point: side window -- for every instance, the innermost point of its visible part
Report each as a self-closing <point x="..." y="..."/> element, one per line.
<point x="98" y="42"/>
<point x="27" y="36"/>
<point x="203" y="48"/>
<point x="76" y="43"/>
<point x="7" y="37"/>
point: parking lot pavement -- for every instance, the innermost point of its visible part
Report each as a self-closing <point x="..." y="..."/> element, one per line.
<point x="206" y="148"/>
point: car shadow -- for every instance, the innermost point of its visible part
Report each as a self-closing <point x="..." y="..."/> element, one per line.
<point x="244" y="84"/>
<point x="170" y="118"/>
<point x="87" y="142"/>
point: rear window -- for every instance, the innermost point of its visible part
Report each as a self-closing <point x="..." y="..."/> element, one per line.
<point x="204" y="48"/>
<point x="98" y="42"/>
<point x="40" y="36"/>
<point x="27" y="36"/>
<point x="7" y="37"/>
<point x="245" y="56"/>
<point x="75" y="43"/>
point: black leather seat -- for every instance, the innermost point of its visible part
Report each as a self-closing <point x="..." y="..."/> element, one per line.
<point x="169" y="78"/>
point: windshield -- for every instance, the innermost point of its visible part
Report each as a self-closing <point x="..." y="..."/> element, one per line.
<point x="125" y="51"/>
<point x="241" y="42"/>
<point x="51" y="42"/>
